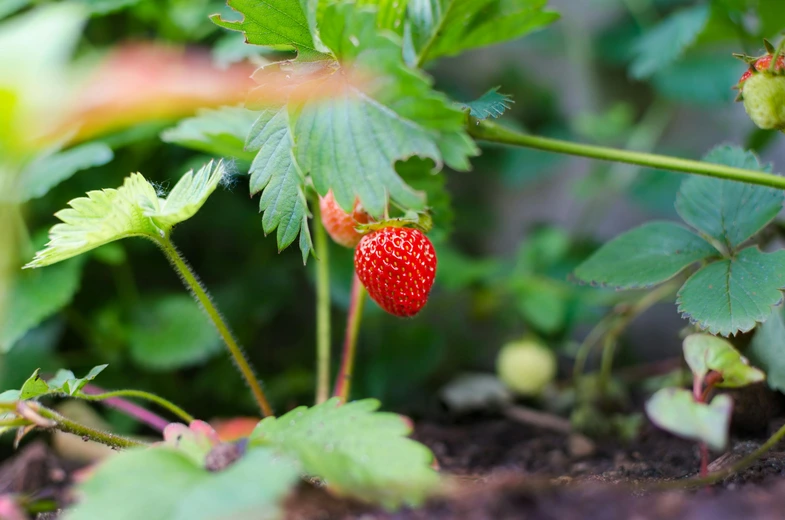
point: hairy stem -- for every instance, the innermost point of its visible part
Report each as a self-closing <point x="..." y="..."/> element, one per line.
<point x="492" y="132"/>
<point x="777" y="54"/>
<point x="114" y="399"/>
<point x="322" y="310"/>
<point x="201" y="296"/>
<point x="344" y="381"/>
<point x="67" y="425"/>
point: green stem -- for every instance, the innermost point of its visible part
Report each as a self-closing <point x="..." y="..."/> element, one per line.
<point x="492" y="132"/>
<point x="23" y="233"/>
<point x="201" y="296"/>
<point x="140" y="394"/>
<point x="67" y="425"/>
<point x="322" y="310"/>
<point x="344" y="381"/>
<point x="777" y="53"/>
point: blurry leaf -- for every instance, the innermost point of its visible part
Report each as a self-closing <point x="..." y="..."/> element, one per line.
<point x="543" y="248"/>
<point x="490" y="104"/>
<point x="704" y="353"/>
<point x="767" y="349"/>
<point x="9" y="7"/>
<point x="665" y="42"/>
<point x="645" y="256"/>
<point x="356" y="450"/>
<point x="111" y="254"/>
<point x="231" y="48"/>
<point x="221" y="132"/>
<point x="162" y="484"/>
<point x="655" y="191"/>
<point x="728" y="211"/>
<point x="171" y="332"/>
<point x="35" y="296"/>
<point x="104" y="7"/>
<point x="771" y="14"/>
<point x="675" y="410"/>
<point x="704" y="79"/>
<point x="33" y="350"/>
<point x="134" y="209"/>
<point x="731" y="295"/>
<point x="457" y="271"/>
<point x="420" y="175"/>
<point x="542" y="305"/>
<point x="449" y="27"/>
<point x="608" y="126"/>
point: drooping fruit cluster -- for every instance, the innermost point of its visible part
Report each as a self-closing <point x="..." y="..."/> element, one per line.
<point x="763" y="92"/>
<point x="397" y="266"/>
<point x="339" y="224"/>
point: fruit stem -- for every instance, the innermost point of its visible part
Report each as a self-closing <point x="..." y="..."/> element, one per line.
<point x="344" y="381"/>
<point x="203" y="298"/>
<point x="322" y="310"/>
<point x="114" y="399"/>
<point x="492" y="132"/>
<point x="776" y="55"/>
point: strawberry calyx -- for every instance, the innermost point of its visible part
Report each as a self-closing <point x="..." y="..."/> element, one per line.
<point x="759" y="65"/>
<point x="420" y="220"/>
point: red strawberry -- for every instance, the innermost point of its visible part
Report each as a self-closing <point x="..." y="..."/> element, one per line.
<point x="339" y="224"/>
<point x="761" y="65"/>
<point x="397" y="266"/>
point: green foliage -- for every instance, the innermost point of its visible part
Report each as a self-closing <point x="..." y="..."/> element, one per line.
<point x="666" y="41"/>
<point x="645" y="256"/>
<point x="490" y="104"/>
<point x="767" y="349"/>
<point x="675" y="410"/>
<point x="221" y="132"/>
<point x="165" y="484"/>
<point x="704" y="353"/>
<point x="170" y="332"/>
<point x="356" y="450"/>
<point x="134" y="209"/>
<point x="63" y="382"/>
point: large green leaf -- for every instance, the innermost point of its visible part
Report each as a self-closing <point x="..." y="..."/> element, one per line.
<point x="675" y="410"/>
<point x="645" y="256"/>
<point x="730" y="212"/>
<point x="704" y="352"/>
<point x="665" y="42"/>
<point x="449" y="27"/>
<point x="221" y="132"/>
<point x="134" y="209"/>
<point x="733" y="294"/>
<point x="163" y="484"/>
<point x="767" y="349"/>
<point x="356" y="450"/>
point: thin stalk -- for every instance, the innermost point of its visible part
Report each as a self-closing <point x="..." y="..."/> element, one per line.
<point x="344" y="381"/>
<point x="92" y="393"/>
<point x="322" y="310"/>
<point x="492" y="132"/>
<point x="777" y="53"/>
<point x="201" y="296"/>
<point x="67" y="425"/>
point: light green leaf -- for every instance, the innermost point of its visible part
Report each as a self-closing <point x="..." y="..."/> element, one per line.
<point x="134" y="209"/>
<point x="356" y="450"/>
<point x="704" y="353"/>
<point x="35" y="296"/>
<point x="163" y="484"/>
<point x="64" y="382"/>
<point x="731" y="295"/>
<point x="645" y="256"/>
<point x="9" y="7"/>
<point x="699" y="79"/>
<point x="665" y="42"/>
<point x="277" y="175"/>
<point x="33" y="387"/>
<point x="543" y="307"/>
<point x="767" y="349"/>
<point x="675" y="410"/>
<point x="730" y="212"/>
<point x="390" y="14"/>
<point x="221" y="132"/>
<point x="171" y="332"/>
<point x="449" y="27"/>
<point x="490" y="104"/>
<point x="273" y="23"/>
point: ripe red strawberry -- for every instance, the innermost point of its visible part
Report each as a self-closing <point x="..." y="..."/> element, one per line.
<point x="339" y="224"/>
<point x="397" y="266"/>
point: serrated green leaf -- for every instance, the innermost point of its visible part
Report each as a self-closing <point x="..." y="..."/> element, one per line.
<point x="171" y="332"/>
<point x="273" y="23"/>
<point x="730" y="212"/>
<point x="356" y="450"/>
<point x="675" y="410"/>
<point x="731" y="295"/>
<point x="665" y="42"/>
<point x="490" y="104"/>
<point x="704" y="353"/>
<point x="134" y="209"/>
<point x="221" y="132"/>
<point x="64" y="382"/>
<point x="163" y="484"/>
<point x="449" y="27"/>
<point x="767" y="349"/>
<point x="647" y="255"/>
<point x="35" y="296"/>
<point x="33" y="387"/>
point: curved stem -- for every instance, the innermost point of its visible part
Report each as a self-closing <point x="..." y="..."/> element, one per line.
<point x="322" y="310"/>
<point x="344" y="381"/>
<point x="492" y="132"/>
<point x="201" y="296"/>
<point x="67" y="425"/>
<point x="91" y="393"/>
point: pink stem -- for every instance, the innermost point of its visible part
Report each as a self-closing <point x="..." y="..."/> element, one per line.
<point x="344" y="381"/>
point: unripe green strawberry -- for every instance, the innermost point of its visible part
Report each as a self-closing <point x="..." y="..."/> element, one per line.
<point x="339" y="224"/>
<point x="397" y="266"/>
<point x="764" y="99"/>
<point x="526" y="366"/>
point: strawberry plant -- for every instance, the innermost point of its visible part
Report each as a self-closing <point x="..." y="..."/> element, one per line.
<point x="329" y="112"/>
